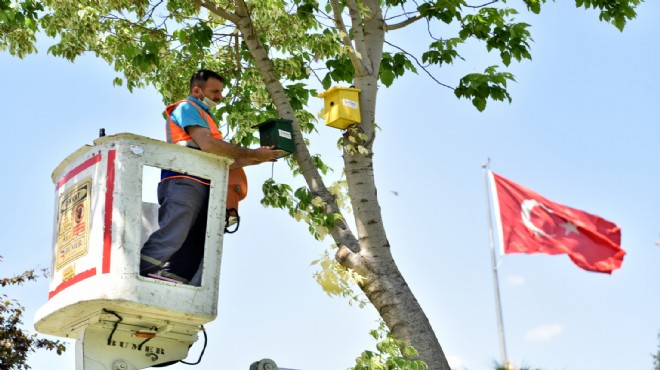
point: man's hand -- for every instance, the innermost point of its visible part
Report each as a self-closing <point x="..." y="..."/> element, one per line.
<point x="266" y="154"/>
<point x="202" y="136"/>
<point x="265" y="151"/>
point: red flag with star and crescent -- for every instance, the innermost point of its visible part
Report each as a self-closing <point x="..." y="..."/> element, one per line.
<point x="530" y="223"/>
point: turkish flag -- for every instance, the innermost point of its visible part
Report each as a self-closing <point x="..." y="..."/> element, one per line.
<point x="530" y="223"/>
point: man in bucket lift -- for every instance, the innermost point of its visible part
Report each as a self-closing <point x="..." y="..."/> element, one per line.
<point x="175" y="251"/>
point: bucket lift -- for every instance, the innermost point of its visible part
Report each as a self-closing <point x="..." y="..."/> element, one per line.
<point x="121" y="320"/>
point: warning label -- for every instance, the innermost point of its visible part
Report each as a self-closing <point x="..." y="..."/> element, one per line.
<point x="73" y="224"/>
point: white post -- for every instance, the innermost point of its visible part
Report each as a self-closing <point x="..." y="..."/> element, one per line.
<point x="493" y="259"/>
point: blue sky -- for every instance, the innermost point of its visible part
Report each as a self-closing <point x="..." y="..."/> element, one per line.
<point x="583" y="130"/>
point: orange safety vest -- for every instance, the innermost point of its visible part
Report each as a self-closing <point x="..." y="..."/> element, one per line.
<point x="237" y="184"/>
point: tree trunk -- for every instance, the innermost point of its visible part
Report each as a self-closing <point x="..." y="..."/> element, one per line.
<point x="384" y="285"/>
<point x="369" y="255"/>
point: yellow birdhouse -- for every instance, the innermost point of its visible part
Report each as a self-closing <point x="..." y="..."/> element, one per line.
<point x="341" y="107"/>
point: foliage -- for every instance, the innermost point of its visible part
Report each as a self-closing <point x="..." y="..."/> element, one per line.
<point x="159" y="43"/>
<point x="336" y="280"/>
<point x="481" y="86"/>
<point x="391" y="354"/>
<point x="19" y="21"/>
<point x="15" y="343"/>
<point x="303" y="205"/>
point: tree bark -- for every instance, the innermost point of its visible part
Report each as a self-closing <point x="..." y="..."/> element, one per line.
<point x="384" y="284"/>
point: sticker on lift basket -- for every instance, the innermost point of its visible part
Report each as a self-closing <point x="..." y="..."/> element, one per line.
<point x="285" y="134"/>
<point x="69" y="272"/>
<point x="349" y="103"/>
<point x="137" y="150"/>
<point x="73" y="223"/>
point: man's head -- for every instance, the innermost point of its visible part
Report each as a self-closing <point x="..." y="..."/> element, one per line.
<point x="207" y="84"/>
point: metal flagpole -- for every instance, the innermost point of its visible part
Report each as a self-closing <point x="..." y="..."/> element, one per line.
<point x="493" y="259"/>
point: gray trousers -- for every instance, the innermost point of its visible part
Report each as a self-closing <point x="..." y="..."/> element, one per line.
<point x="179" y="241"/>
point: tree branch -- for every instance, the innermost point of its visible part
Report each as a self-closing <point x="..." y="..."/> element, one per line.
<point x="420" y="65"/>
<point x="339" y="22"/>
<point x="215" y="9"/>
<point x="371" y="33"/>
<point x="396" y="26"/>
<point x="358" y="35"/>
<point x="340" y="232"/>
<point x="417" y="17"/>
<point x="404" y="14"/>
<point x="482" y="5"/>
<point x="150" y="14"/>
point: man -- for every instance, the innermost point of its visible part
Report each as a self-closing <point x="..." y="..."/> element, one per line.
<point x="175" y="251"/>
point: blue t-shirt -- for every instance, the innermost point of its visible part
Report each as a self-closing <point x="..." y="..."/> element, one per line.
<point x="184" y="115"/>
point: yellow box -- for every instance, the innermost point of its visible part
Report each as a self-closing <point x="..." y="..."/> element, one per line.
<point x="341" y="106"/>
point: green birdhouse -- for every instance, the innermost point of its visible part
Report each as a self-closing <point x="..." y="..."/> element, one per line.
<point x="277" y="132"/>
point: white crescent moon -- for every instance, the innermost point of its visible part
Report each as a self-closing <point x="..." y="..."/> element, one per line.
<point x="526" y="208"/>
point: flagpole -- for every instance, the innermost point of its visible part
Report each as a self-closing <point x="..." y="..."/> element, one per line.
<point x="493" y="260"/>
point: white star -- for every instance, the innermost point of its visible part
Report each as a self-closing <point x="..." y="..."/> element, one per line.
<point x="569" y="228"/>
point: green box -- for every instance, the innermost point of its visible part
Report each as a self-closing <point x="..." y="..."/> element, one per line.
<point x="277" y="132"/>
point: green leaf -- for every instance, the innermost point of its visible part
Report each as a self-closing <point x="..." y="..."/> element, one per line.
<point x="479" y="103"/>
<point x="506" y="58"/>
<point x="386" y="77"/>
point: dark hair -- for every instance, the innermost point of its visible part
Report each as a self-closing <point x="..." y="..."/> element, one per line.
<point x="200" y="77"/>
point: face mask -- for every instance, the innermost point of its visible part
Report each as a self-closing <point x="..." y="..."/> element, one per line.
<point x="209" y="103"/>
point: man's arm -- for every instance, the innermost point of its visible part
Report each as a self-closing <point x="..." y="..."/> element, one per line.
<point x="244" y="162"/>
<point x="242" y="156"/>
